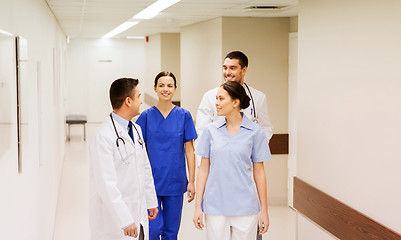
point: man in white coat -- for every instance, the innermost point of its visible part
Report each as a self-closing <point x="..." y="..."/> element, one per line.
<point x="121" y="183"/>
<point x="235" y="67"/>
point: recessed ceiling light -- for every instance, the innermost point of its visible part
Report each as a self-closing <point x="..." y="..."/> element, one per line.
<point x="154" y="9"/>
<point x="147" y="13"/>
<point x="133" y="37"/>
<point x="124" y="26"/>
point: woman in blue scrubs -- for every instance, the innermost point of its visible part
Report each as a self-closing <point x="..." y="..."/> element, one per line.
<point x="168" y="131"/>
<point x="231" y="182"/>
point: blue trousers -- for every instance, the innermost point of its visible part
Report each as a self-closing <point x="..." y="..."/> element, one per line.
<point x="168" y="220"/>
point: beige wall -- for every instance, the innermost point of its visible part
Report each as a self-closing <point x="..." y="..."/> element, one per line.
<point x="170" y="58"/>
<point x="293" y="24"/>
<point x="28" y="200"/>
<point x="201" y="60"/>
<point x="349" y="104"/>
<point x="153" y="64"/>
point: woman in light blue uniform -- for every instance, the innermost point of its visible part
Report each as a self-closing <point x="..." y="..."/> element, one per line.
<point x="231" y="183"/>
<point x="168" y="131"/>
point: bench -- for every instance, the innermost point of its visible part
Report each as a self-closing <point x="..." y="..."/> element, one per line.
<point x="75" y="119"/>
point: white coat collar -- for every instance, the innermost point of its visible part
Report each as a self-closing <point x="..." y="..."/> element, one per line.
<point x="122" y="132"/>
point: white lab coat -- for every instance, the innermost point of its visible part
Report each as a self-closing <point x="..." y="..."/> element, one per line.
<point x="207" y="112"/>
<point x="120" y="194"/>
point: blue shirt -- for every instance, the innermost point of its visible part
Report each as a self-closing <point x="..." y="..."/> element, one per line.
<point x="165" y="138"/>
<point x="122" y="121"/>
<point x="230" y="188"/>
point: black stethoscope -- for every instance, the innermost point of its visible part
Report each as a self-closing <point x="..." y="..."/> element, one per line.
<point x="255" y="119"/>
<point x="140" y="141"/>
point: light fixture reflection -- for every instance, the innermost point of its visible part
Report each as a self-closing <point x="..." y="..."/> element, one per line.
<point x="6" y="33"/>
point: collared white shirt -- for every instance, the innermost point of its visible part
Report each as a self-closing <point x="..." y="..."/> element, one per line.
<point x="230" y="188"/>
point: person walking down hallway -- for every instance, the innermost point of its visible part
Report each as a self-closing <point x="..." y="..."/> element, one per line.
<point x="231" y="183"/>
<point x="235" y="67"/>
<point x="169" y="132"/>
<point x="122" y="193"/>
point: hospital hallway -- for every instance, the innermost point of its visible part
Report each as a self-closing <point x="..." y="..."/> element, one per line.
<point x="73" y="201"/>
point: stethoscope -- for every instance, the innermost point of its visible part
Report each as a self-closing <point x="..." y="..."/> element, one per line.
<point x="140" y="141"/>
<point x="253" y="109"/>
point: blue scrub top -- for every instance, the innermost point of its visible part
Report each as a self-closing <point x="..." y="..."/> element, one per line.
<point x="165" y="138"/>
<point x="230" y="188"/>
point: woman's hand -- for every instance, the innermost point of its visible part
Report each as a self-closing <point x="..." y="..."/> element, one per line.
<point x="190" y="156"/>
<point x="200" y="186"/>
<point x="263" y="222"/>
<point x="260" y="181"/>
<point x="198" y="218"/>
<point x="153" y="213"/>
<point x="191" y="191"/>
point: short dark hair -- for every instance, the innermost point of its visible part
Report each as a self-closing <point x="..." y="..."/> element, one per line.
<point x="165" y="74"/>
<point x="237" y="91"/>
<point x="242" y="58"/>
<point x="120" y="89"/>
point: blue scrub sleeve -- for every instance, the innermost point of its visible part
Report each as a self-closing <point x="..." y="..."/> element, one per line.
<point x="260" y="147"/>
<point x="203" y="144"/>
<point x="142" y="121"/>
<point x="189" y="131"/>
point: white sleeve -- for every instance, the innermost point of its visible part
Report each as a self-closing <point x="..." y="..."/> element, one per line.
<point x="150" y="192"/>
<point x="151" y="198"/>
<point x="263" y="117"/>
<point x="105" y="180"/>
<point x="204" y="116"/>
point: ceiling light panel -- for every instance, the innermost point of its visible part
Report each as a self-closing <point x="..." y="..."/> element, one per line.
<point x="93" y="18"/>
<point x="155" y="8"/>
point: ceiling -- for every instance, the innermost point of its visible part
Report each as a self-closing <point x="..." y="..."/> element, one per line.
<point x="95" y="18"/>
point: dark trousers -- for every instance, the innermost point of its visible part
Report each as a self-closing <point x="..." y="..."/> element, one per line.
<point x="258" y="236"/>
<point x="141" y="234"/>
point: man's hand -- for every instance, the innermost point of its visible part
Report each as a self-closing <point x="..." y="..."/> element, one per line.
<point x="191" y="191"/>
<point x="131" y="231"/>
<point x="153" y="213"/>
